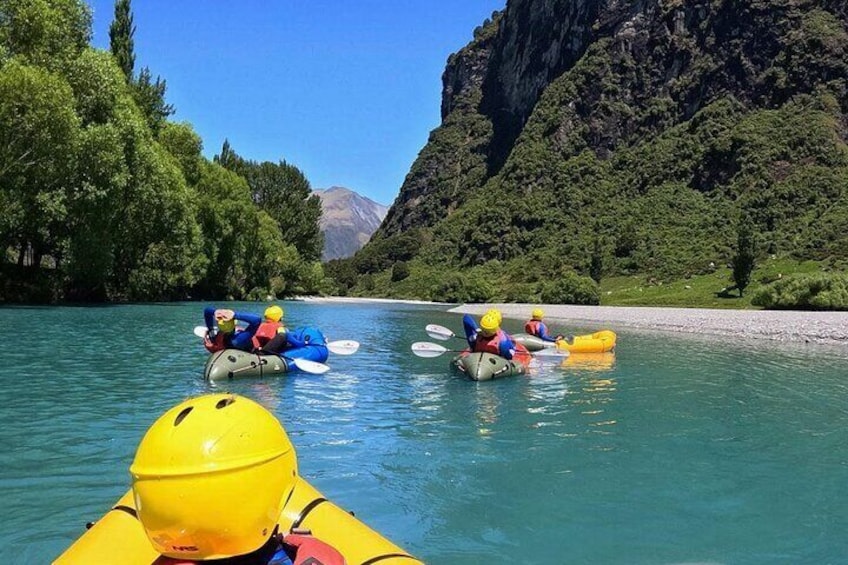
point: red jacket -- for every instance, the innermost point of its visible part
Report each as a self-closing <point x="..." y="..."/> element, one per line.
<point x="492" y="344"/>
<point x="532" y="327"/>
<point x="265" y="333"/>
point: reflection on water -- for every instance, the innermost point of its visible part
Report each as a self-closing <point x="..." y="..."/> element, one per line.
<point x="487" y="404"/>
<point x="590" y="361"/>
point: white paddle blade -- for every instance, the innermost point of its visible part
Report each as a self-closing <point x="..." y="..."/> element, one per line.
<point x="308" y="366"/>
<point x="343" y="347"/>
<point x="552" y="352"/>
<point x="200" y="331"/>
<point x="427" y="349"/>
<point x="439" y="332"/>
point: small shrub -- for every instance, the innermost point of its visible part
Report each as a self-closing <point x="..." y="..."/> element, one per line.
<point x="814" y="292"/>
<point x="571" y="289"/>
<point x="456" y="287"/>
<point x="400" y="271"/>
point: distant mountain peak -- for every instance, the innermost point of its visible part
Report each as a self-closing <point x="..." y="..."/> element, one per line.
<point x="347" y="221"/>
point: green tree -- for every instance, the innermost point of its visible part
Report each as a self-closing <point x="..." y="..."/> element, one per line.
<point x="744" y="259"/>
<point x="284" y="193"/>
<point x="400" y="271"/>
<point x="596" y="264"/>
<point x="227" y="217"/>
<point x="98" y="86"/>
<point x="46" y="33"/>
<point x="230" y="160"/>
<point x="121" y="42"/>
<point x="150" y="97"/>
<point x="185" y="145"/>
<point x="38" y="139"/>
<point x="103" y="177"/>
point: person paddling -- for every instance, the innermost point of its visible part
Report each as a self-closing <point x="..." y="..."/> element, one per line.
<point x="535" y="326"/>
<point x="222" y="333"/>
<point x="273" y="337"/>
<point x="488" y="337"/>
<point x="210" y="479"/>
<point x="270" y="326"/>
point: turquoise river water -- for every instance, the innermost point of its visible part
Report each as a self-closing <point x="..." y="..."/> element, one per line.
<point x="678" y="450"/>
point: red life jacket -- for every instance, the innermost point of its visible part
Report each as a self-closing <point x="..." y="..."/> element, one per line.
<point x="265" y="333"/>
<point x="492" y="344"/>
<point x="532" y="327"/>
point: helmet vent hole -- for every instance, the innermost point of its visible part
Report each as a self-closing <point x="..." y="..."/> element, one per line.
<point x="181" y="416"/>
<point x="224" y="402"/>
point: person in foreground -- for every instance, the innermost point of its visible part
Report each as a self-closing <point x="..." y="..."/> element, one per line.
<point x="210" y="479"/>
<point x="488" y="337"/>
<point x="535" y="326"/>
<point x="222" y="332"/>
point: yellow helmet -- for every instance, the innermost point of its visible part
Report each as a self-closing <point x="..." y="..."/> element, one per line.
<point x="489" y="323"/>
<point x="274" y="313"/>
<point x="211" y="476"/>
<point x="538" y="314"/>
<point x="496" y="313"/>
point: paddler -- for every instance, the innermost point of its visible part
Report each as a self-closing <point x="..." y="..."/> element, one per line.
<point x="272" y="336"/>
<point x="488" y="337"/>
<point x="535" y="326"/>
<point x="222" y="332"/>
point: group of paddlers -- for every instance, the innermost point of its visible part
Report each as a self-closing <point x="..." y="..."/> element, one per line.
<point x="488" y="337"/>
<point x="266" y="334"/>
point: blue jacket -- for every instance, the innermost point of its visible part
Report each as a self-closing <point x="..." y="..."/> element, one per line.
<point x="541" y="330"/>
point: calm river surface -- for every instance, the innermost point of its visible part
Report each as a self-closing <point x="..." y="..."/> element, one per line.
<point x="678" y="450"/>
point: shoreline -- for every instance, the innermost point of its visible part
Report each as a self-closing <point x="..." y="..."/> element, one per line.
<point x="825" y="328"/>
<point x="786" y="326"/>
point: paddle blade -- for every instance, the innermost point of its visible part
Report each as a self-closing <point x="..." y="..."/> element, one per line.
<point x="439" y="332"/>
<point x="308" y="366"/>
<point x="200" y="331"/>
<point x="551" y="352"/>
<point x="343" y="347"/>
<point x="427" y="349"/>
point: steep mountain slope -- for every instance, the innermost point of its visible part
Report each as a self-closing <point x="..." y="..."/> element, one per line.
<point x="632" y="137"/>
<point x="347" y="221"/>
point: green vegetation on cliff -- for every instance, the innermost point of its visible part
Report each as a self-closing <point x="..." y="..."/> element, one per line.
<point x="640" y="159"/>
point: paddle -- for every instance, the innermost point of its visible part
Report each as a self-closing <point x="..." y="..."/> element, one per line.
<point x="427" y="349"/>
<point x="339" y="347"/>
<point x="343" y="347"/>
<point x="440" y="332"/>
<point x="308" y="366"/>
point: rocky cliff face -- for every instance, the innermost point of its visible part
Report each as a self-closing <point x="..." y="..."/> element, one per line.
<point x="347" y="221"/>
<point x="599" y="75"/>
<point x="619" y="137"/>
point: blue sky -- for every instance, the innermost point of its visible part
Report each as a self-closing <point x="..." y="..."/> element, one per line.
<point x="347" y="91"/>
